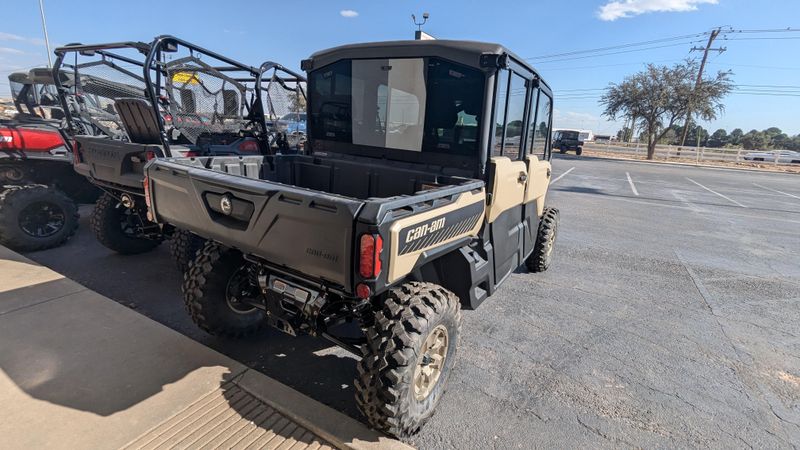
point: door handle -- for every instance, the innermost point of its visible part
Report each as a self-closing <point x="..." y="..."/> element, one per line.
<point x="523" y="177"/>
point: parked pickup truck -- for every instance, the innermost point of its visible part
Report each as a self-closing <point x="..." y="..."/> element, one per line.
<point x="410" y="205"/>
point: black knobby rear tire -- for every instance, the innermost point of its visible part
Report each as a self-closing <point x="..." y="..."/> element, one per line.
<point x="36" y="217"/>
<point x="205" y="292"/>
<point x="562" y="149"/>
<point x="107" y="221"/>
<point x="385" y="384"/>
<point x="539" y="260"/>
<point x="183" y="247"/>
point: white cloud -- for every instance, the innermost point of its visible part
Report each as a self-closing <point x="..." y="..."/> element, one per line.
<point x="349" y="13"/>
<point x="17" y="38"/>
<point x="628" y="8"/>
<point x="12" y="51"/>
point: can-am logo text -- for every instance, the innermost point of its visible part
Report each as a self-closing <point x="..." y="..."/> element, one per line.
<point x="424" y="230"/>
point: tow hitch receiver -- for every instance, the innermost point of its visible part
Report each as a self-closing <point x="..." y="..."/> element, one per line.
<point x="289" y="306"/>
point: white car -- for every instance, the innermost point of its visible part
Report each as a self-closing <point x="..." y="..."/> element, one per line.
<point x="783" y="156"/>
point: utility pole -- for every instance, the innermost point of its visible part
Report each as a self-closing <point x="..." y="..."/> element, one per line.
<point x="44" y="28"/>
<point x="705" y="50"/>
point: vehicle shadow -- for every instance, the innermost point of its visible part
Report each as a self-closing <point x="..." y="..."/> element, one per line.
<point x="150" y="284"/>
<point x="82" y="352"/>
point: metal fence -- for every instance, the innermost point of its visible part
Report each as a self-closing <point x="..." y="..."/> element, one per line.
<point x="698" y="154"/>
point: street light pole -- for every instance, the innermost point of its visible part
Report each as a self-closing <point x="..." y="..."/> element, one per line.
<point x="46" y="38"/>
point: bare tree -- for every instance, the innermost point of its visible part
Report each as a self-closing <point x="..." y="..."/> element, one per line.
<point x="660" y="97"/>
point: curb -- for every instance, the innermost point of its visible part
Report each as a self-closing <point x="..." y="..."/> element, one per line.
<point x="344" y="431"/>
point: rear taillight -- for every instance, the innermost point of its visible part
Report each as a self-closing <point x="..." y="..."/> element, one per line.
<point x="248" y="146"/>
<point x="29" y="140"/>
<point x="149" y="154"/>
<point x="146" y="184"/>
<point x="192" y="154"/>
<point x="370" y="251"/>
<point x="76" y="155"/>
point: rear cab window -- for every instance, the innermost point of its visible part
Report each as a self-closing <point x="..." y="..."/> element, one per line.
<point x="413" y="104"/>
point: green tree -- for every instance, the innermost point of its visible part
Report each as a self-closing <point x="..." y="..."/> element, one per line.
<point x="718" y="139"/>
<point x="754" y="140"/>
<point x="779" y="141"/>
<point x="735" y="137"/>
<point x="659" y="97"/>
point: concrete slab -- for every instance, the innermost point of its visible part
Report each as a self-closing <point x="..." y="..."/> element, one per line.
<point x="85" y="372"/>
<point x="23" y="297"/>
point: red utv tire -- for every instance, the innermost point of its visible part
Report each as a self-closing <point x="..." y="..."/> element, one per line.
<point x="36" y="217"/>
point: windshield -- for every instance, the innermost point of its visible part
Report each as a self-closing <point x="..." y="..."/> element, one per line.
<point x="414" y="104"/>
<point x="569" y="135"/>
<point x="294" y="117"/>
<point x="16" y="88"/>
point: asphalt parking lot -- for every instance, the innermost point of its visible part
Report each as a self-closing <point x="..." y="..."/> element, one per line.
<point x="668" y="319"/>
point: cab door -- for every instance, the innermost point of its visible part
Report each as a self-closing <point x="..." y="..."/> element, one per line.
<point x="508" y="180"/>
<point x="537" y="160"/>
<point x="508" y="175"/>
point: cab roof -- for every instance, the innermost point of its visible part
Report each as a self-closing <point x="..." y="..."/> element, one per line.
<point x="468" y="53"/>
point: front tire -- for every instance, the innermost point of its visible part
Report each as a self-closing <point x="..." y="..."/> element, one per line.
<point x="578" y="151"/>
<point x="409" y="355"/>
<point x="36" y="217"/>
<point x="539" y="260"/>
<point x="214" y="288"/>
<point x="116" y="227"/>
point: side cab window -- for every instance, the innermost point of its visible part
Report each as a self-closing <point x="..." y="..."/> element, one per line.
<point x="509" y="116"/>
<point x="501" y="99"/>
<point x="539" y="130"/>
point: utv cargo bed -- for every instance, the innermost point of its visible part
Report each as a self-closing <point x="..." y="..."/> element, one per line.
<point x="113" y="163"/>
<point x="297" y="212"/>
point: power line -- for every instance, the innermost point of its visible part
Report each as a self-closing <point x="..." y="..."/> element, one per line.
<point x="621" y="52"/>
<point x="758" y="67"/>
<point x="770" y="85"/>
<point x="615" y="47"/>
<point x="766" y="94"/>
<point x="770" y="30"/>
<point x="611" y="65"/>
<point x="762" y="38"/>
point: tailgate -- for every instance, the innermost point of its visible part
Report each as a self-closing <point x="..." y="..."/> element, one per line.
<point x="302" y="230"/>
<point x="113" y="162"/>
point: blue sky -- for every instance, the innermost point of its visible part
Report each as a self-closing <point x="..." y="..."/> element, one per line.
<point x="288" y="31"/>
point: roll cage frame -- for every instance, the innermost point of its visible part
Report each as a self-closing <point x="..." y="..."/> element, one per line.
<point x="153" y="75"/>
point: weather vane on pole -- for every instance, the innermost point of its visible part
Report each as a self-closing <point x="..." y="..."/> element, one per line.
<point x="419" y="34"/>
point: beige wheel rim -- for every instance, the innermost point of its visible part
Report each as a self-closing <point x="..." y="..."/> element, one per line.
<point x="430" y="362"/>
